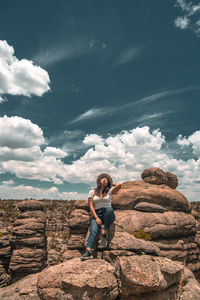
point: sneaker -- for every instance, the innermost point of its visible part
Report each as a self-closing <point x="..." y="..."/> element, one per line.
<point x="87" y="255"/>
<point x="104" y="241"/>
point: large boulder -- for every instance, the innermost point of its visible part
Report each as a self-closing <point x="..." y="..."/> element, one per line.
<point x="158" y="176"/>
<point x="75" y="280"/>
<point x="134" y="192"/>
<point x="129" y="277"/>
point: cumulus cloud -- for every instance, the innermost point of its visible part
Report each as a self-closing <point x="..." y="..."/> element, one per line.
<point x="55" y="152"/>
<point x="124" y="155"/>
<point x="20" y="77"/>
<point x="190" y="19"/>
<point x="21" y="152"/>
<point x="17" y="132"/>
<point x="192" y="140"/>
<point x="182" y="22"/>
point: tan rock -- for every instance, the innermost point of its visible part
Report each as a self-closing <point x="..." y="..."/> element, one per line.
<point x="24" y="289"/>
<point x="127" y="241"/>
<point x="168" y="224"/>
<point x="31" y="205"/>
<point x="36" y="214"/>
<point x="79" y="219"/>
<point x="133" y="192"/>
<point x="76" y="242"/>
<point x="75" y="280"/>
<point x="27" y="260"/>
<point x="172" y="180"/>
<point x="5" y="278"/>
<point x="82" y="204"/>
<point x="145" y="274"/>
<point x="154" y="176"/>
<point x="149" y="207"/>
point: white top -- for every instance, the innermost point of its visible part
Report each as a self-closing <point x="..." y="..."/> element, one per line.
<point x="101" y="202"/>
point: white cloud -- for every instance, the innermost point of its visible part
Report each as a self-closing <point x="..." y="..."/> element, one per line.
<point x="187" y="21"/>
<point x="17" y="132"/>
<point x="25" y="191"/>
<point x="106" y="111"/>
<point x="21" y="153"/>
<point x="193" y="140"/>
<point x="54" y="54"/>
<point x="55" y="152"/>
<point x="124" y="155"/>
<point x="128" y="55"/>
<point x="8" y="182"/>
<point x="182" y="22"/>
<point x="20" y="77"/>
<point x="92" y="139"/>
<point x="92" y="113"/>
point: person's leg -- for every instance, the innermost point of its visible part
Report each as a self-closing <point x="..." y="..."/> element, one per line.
<point x="94" y="229"/>
<point x="109" y="218"/>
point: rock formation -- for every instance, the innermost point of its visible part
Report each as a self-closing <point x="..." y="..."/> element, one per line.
<point x="152" y="253"/>
<point x="28" y="238"/>
<point x="129" y="277"/>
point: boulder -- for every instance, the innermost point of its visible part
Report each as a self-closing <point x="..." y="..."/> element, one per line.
<point x="172" y="180"/>
<point x="31" y="205"/>
<point x="82" y="204"/>
<point x="94" y="279"/>
<point x="134" y="192"/>
<point x="149" y="207"/>
<point x="154" y="176"/>
<point x="154" y="278"/>
<point x="76" y="241"/>
<point x="79" y="220"/>
<point x="24" y="289"/>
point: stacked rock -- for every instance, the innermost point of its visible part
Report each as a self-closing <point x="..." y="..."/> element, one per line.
<point x="154" y="211"/>
<point x="5" y="252"/>
<point x="29" y="239"/>
<point x="152" y="218"/>
<point x="78" y="221"/>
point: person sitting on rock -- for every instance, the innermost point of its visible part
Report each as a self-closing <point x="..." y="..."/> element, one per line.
<point x="99" y="201"/>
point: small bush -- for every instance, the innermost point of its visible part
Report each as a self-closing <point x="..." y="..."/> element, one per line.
<point x="141" y="234"/>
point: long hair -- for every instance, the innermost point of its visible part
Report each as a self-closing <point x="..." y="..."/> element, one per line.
<point x="105" y="190"/>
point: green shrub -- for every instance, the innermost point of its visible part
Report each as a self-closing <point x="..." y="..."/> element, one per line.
<point x="141" y="234"/>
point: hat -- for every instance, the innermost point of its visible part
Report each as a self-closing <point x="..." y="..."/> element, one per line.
<point x="104" y="175"/>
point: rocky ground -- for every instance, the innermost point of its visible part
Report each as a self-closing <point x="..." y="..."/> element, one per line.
<point x="153" y="250"/>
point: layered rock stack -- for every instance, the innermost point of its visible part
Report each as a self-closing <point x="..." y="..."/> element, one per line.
<point x="78" y="221"/>
<point x="153" y="210"/>
<point x="5" y="252"/>
<point x="152" y="217"/>
<point x="29" y="239"/>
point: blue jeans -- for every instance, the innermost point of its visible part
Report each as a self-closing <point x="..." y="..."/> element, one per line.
<point x="107" y="217"/>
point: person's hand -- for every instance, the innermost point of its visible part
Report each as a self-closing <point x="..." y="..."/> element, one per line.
<point x="99" y="221"/>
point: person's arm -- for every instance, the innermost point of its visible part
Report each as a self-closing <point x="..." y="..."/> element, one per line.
<point x="116" y="187"/>
<point x="93" y="212"/>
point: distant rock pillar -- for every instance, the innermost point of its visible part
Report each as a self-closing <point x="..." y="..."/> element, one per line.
<point x="29" y="239"/>
<point x="5" y="252"/>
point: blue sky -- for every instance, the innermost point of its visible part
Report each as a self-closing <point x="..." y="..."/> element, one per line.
<point x="97" y="86"/>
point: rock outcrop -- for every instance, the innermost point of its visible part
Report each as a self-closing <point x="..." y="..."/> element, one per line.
<point x="28" y="238"/>
<point x="129" y="277"/>
<point x="152" y="254"/>
<point x="5" y="251"/>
